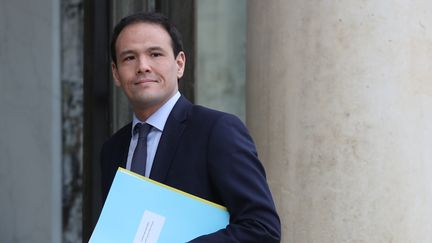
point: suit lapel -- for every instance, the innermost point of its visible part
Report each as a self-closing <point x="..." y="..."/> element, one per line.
<point x="169" y="141"/>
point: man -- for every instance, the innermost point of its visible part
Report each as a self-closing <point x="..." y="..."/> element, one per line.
<point x="204" y="152"/>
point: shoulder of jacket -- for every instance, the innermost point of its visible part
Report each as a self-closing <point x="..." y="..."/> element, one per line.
<point x="122" y="133"/>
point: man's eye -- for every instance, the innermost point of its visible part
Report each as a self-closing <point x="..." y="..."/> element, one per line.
<point x="129" y="58"/>
<point x="156" y="54"/>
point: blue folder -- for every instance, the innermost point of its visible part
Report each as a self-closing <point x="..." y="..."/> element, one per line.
<point x="133" y="201"/>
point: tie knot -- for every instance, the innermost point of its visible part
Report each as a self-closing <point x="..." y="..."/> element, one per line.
<point x="142" y="129"/>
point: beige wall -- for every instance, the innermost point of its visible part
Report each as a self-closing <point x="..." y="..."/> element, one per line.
<point x="339" y="101"/>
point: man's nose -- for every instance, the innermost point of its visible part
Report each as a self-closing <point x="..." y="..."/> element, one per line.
<point x="143" y="65"/>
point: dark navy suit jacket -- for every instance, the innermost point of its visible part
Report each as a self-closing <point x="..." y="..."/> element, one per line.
<point x="209" y="154"/>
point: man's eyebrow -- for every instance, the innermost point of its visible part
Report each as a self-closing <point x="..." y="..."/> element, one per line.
<point x="126" y="52"/>
<point x="155" y="48"/>
<point x="150" y="49"/>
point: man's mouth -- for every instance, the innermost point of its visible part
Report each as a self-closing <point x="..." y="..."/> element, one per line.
<point x="144" y="81"/>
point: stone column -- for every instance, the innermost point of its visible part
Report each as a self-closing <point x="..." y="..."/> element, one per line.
<point x="339" y="101"/>
<point x="30" y="123"/>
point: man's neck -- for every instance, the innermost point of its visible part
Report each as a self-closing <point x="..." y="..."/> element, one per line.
<point x="143" y="113"/>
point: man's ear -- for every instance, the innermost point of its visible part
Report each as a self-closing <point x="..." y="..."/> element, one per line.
<point x="115" y="74"/>
<point x="181" y="62"/>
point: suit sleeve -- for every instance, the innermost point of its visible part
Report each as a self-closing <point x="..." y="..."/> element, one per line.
<point x="238" y="177"/>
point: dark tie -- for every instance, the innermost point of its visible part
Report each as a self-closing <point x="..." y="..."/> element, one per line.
<point x="139" y="157"/>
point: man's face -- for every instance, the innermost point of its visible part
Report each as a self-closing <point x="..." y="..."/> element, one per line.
<point x="146" y="69"/>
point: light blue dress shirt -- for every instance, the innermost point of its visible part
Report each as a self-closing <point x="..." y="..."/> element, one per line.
<point x="157" y="120"/>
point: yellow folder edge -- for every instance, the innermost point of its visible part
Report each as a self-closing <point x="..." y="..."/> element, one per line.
<point x="173" y="189"/>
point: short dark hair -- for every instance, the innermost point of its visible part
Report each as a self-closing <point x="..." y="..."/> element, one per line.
<point x="150" y="17"/>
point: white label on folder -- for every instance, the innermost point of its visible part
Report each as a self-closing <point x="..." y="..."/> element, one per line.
<point x="149" y="228"/>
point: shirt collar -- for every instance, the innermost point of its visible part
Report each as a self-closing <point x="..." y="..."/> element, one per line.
<point x="159" y="118"/>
